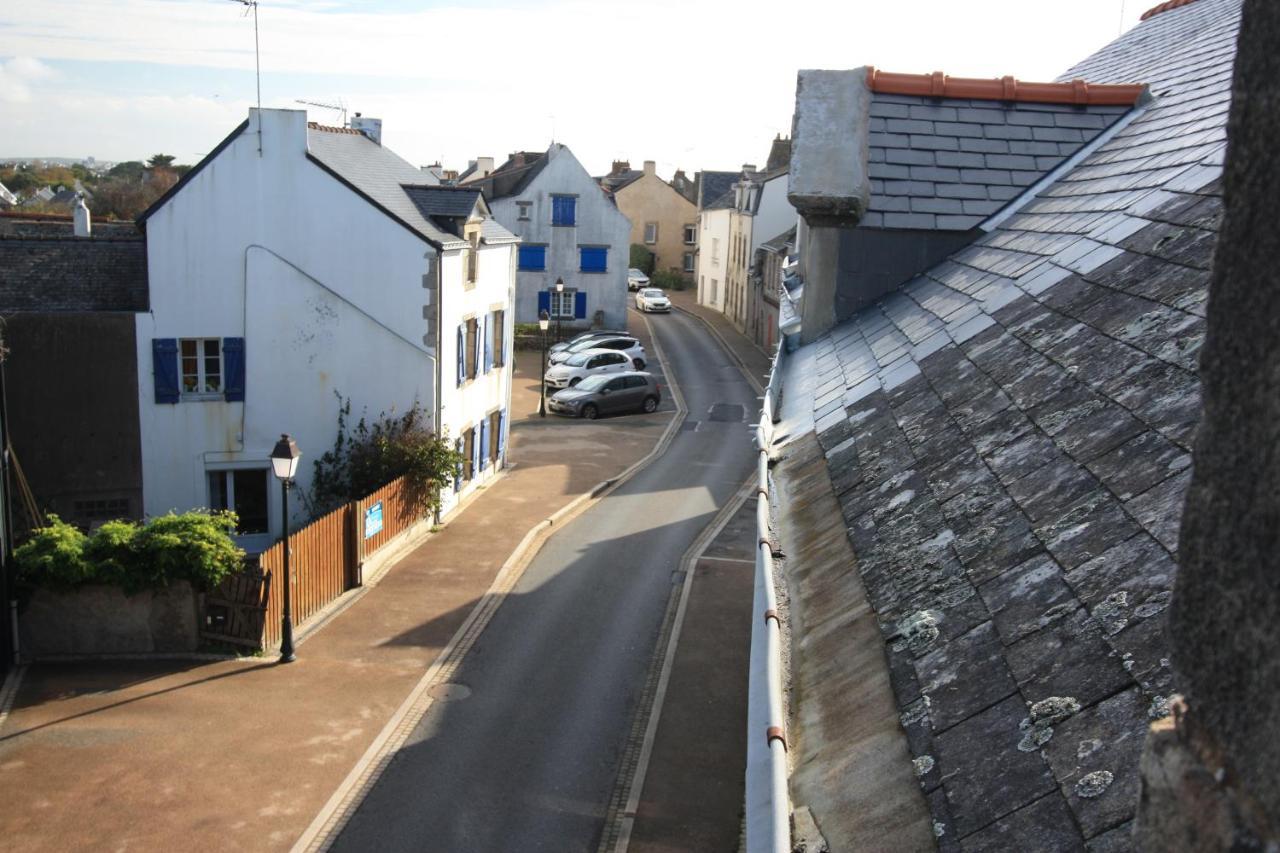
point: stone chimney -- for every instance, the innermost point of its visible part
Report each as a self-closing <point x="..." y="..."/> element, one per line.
<point x="83" y="224"/>
<point x="370" y="127"/>
<point x="650" y="167"/>
<point x="620" y="166"/>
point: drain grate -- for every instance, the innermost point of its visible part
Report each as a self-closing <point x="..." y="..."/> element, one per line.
<point x="727" y="413"/>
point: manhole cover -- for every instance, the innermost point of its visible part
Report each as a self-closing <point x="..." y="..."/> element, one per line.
<point x="449" y="692"/>
<point x="727" y="412"/>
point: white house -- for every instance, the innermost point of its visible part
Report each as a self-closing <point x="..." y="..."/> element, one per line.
<point x="570" y="230"/>
<point x="298" y="265"/>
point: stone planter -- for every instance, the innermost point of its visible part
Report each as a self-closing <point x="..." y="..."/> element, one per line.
<point x="101" y="620"/>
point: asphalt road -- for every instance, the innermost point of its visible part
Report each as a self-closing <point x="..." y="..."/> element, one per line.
<point x="525" y="754"/>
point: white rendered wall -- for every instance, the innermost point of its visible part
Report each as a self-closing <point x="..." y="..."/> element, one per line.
<point x="713" y="262"/>
<point x="598" y="223"/>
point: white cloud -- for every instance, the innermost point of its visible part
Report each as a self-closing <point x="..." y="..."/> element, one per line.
<point x="16" y="77"/>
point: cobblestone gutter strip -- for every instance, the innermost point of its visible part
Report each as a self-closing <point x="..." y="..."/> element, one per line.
<point x="768" y="804"/>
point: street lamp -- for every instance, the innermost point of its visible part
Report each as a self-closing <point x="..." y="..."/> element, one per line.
<point x="284" y="464"/>
<point x="544" y="320"/>
<point x="558" y="306"/>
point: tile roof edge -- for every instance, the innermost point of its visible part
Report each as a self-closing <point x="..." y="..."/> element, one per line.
<point x="1164" y="7"/>
<point x="939" y="85"/>
<point x="327" y="128"/>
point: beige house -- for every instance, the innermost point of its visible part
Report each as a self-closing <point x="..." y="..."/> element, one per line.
<point x="664" y="218"/>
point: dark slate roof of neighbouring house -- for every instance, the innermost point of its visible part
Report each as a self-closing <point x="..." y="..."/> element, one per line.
<point x="949" y="163"/>
<point x="49" y="274"/>
<point x="712" y="187"/>
<point x="1009" y="437"/>
<point x="615" y="181"/>
<point x="446" y="207"/>
<point x="781" y="242"/>
<point x="513" y="176"/>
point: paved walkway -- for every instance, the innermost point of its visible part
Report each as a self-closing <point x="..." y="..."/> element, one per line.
<point x="229" y="755"/>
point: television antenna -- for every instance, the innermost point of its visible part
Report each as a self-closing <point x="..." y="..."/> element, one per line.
<point x="252" y="5"/>
<point x="340" y="106"/>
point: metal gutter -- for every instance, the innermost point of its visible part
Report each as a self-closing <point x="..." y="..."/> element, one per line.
<point x="768" y="802"/>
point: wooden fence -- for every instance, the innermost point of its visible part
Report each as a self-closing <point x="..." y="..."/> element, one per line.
<point x="326" y="556"/>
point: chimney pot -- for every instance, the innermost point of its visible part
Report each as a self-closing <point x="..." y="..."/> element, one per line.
<point x="81" y="221"/>
<point x="650" y="167"/>
<point x="620" y="166"/>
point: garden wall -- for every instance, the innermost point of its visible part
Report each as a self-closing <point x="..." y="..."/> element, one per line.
<point x="97" y="620"/>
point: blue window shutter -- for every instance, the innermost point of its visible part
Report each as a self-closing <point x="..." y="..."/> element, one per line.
<point x="488" y="343"/>
<point x="462" y="353"/>
<point x="544" y="301"/>
<point x="593" y="258"/>
<point x="502" y="436"/>
<point x="457" y="469"/>
<point x="484" y="444"/>
<point x="580" y="305"/>
<point x="233" y="369"/>
<point x="562" y="209"/>
<point x="533" y="258"/>
<point x="478" y="355"/>
<point x="476" y="455"/>
<point x="164" y="367"/>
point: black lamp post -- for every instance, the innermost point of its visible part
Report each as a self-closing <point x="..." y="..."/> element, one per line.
<point x="544" y="321"/>
<point x="559" y="308"/>
<point x="284" y="463"/>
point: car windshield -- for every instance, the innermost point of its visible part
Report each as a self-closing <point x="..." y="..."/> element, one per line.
<point x="635" y="273"/>
<point x="590" y="343"/>
<point x="593" y="383"/>
<point x="654" y="292"/>
<point x="577" y="360"/>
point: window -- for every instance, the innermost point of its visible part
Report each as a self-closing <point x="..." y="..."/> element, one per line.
<point x="101" y="510"/>
<point x="688" y="261"/>
<point x="690" y="235"/>
<point x="473" y="330"/>
<point x="495" y="431"/>
<point x="593" y="258"/>
<point x="201" y="363"/>
<point x="564" y="210"/>
<point x="523" y="208"/>
<point x="469" y="454"/>
<point x="562" y="303"/>
<point x="714" y="288"/>
<point x="651" y="232"/>
<point x="499" y="338"/>
<point x="532" y="258"/>
<point x="715" y="250"/>
<point x="473" y="256"/>
<point x="244" y="492"/>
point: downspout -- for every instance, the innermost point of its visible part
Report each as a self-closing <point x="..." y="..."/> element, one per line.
<point x="434" y="264"/>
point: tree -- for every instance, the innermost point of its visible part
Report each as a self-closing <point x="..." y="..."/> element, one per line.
<point x="129" y="170"/>
<point x="642" y="259"/>
<point x="161" y="161"/>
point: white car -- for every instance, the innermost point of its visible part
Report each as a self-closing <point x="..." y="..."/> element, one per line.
<point x="652" y="299"/>
<point x="625" y="344"/>
<point x="636" y="279"/>
<point x="590" y="362"/>
<point x="594" y="333"/>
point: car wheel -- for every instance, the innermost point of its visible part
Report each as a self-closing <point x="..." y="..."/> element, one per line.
<point x="650" y="405"/>
<point x="639" y="363"/>
<point x="589" y="411"/>
<point x="574" y="381"/>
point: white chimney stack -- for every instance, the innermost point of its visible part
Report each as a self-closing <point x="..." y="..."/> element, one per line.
<point x="370" y="127"/>
<point x="80" y="215"/>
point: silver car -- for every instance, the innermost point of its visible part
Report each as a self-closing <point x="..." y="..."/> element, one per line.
<point x="606" y="394"/>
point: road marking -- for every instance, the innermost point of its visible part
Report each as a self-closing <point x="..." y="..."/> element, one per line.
<point x="342" y="805"/>
<point x="625" y="800"/>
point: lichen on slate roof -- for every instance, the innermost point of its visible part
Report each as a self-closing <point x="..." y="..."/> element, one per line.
<point x="1009" y="437"/>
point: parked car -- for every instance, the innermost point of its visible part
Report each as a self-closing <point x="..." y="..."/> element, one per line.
<point x="589" y="362"/>
<point x="623" y="343"/>
<point x="605" y="394"/>
<point x="636" y="279"/>
<point x="652" y="299"/>
<point x="577" y="339"/>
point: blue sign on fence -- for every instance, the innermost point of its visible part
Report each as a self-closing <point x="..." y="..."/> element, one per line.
<point x="373" y="520"/>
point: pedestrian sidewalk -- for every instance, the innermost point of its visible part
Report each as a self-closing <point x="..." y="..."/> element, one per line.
<point x="226" y="755"/>
<point x="756" y="361"/>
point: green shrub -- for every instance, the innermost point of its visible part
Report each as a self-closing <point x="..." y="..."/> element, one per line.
<point x="641" y="259"/>
<point x="53" y="557"/>
<point x="668" y="280"/>
<point x="195" y="546"/>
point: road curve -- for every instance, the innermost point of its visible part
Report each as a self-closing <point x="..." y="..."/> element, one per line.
<point x="523" y="754"/>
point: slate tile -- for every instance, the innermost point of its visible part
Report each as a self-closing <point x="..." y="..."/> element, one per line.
<point x="1040" y="379"/>
<point x="964" y="676"/>
<point x="1140" y="463"/>
<point x="1144" y="650"/>
<point x="998" y="430"/>
<point x="944" y="829"/>
<point x="904" y="392"/>
<point x="1094" y="358"/>
<point x="1068" y="658"/>
<point x="1104" y="739"/>
<point x="1099" y="432"/>
<point x="984" y="775"/>
<point x="961" y="471"/>
<point x="1117" y="840"/>
<point x="1127" y="583"/>
<point x="959" y="382"/>
<point x="980" y="407"/>
<point x="1159" y="509"/>
<point x="1027" y="597"/>
<point x="834" y="434"/>
<point x="1060" y="411"/>
<point x="1086" y="530"/>
<point x="996" y="544"/>
<point x="1045" y="826"/>
<point x="939" y="447"/>
<point x="1052" y="488"/>
<point x="1073" y="294"/>
<point x="1025" y="454"/>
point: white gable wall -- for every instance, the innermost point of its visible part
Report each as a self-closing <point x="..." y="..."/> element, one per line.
<point x="598" y="223"/>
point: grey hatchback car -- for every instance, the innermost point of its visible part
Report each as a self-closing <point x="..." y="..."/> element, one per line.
<point x="608" y="393"/>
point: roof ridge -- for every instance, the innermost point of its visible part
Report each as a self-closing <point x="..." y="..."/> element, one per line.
<point x="328" y="128"/>
<point x="1164" y="7"/>
<point x="1008" y="88"/>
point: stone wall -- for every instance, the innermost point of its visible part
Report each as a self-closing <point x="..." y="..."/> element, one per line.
<point x="100" y="620"/>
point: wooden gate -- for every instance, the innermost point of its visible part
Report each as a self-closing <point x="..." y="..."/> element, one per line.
<point x="236" y="611"/>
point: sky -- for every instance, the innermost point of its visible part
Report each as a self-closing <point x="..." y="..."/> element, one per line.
<point x="691" y="84"/>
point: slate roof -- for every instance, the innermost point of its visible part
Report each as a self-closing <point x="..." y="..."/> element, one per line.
<point x="712" y="187"/>
<point x="781" y="242"/>
<point x="513" y="176"/>
<point x="615" y="181"/>
<point x="50" y="274"/>
<point x="1009" y="437"/>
